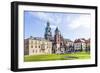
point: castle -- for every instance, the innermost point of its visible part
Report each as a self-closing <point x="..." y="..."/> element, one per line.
<point x="52" y="44"/>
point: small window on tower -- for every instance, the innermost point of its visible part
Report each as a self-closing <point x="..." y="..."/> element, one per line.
<point x="58" y="40"/>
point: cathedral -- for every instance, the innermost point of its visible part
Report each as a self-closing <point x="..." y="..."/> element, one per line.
<point x="58" y="45"/>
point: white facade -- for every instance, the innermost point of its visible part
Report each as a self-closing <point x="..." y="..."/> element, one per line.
<point x="38" y="46"/>
<point x="80" y="44"/>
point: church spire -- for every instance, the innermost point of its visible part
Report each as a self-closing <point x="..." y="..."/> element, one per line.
<point x="57" y="31"/>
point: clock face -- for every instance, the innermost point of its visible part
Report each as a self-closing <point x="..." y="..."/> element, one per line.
<point x="49" y="33"/>
<point x="49" y="29"/>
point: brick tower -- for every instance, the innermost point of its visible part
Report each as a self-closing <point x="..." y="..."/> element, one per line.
<point x="57" y="40"/>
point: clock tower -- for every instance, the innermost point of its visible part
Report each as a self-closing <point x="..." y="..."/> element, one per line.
<point x="48" y="34"/>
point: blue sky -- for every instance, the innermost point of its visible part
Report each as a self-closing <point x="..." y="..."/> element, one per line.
<point x="71" y="25"/>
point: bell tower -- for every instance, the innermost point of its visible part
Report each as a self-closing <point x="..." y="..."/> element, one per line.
<point x="57" y="36"/>
<point x="57" y="40"/>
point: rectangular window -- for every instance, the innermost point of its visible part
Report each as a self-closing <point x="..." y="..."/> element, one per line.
<point x="33" y="51"/>
<point x="39" y="46"/>
<point x="31" y="46"/>
<point x="31" y="42"/>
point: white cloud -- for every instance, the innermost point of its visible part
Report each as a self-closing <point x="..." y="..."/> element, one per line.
<point x="82" y="20"/>
<point x="54" y="19"/>
<point x="42" y="16"/>
<point x="75" y="21"/>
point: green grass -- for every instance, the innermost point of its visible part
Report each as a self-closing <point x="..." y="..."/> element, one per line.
<point x="48" y="57"/>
